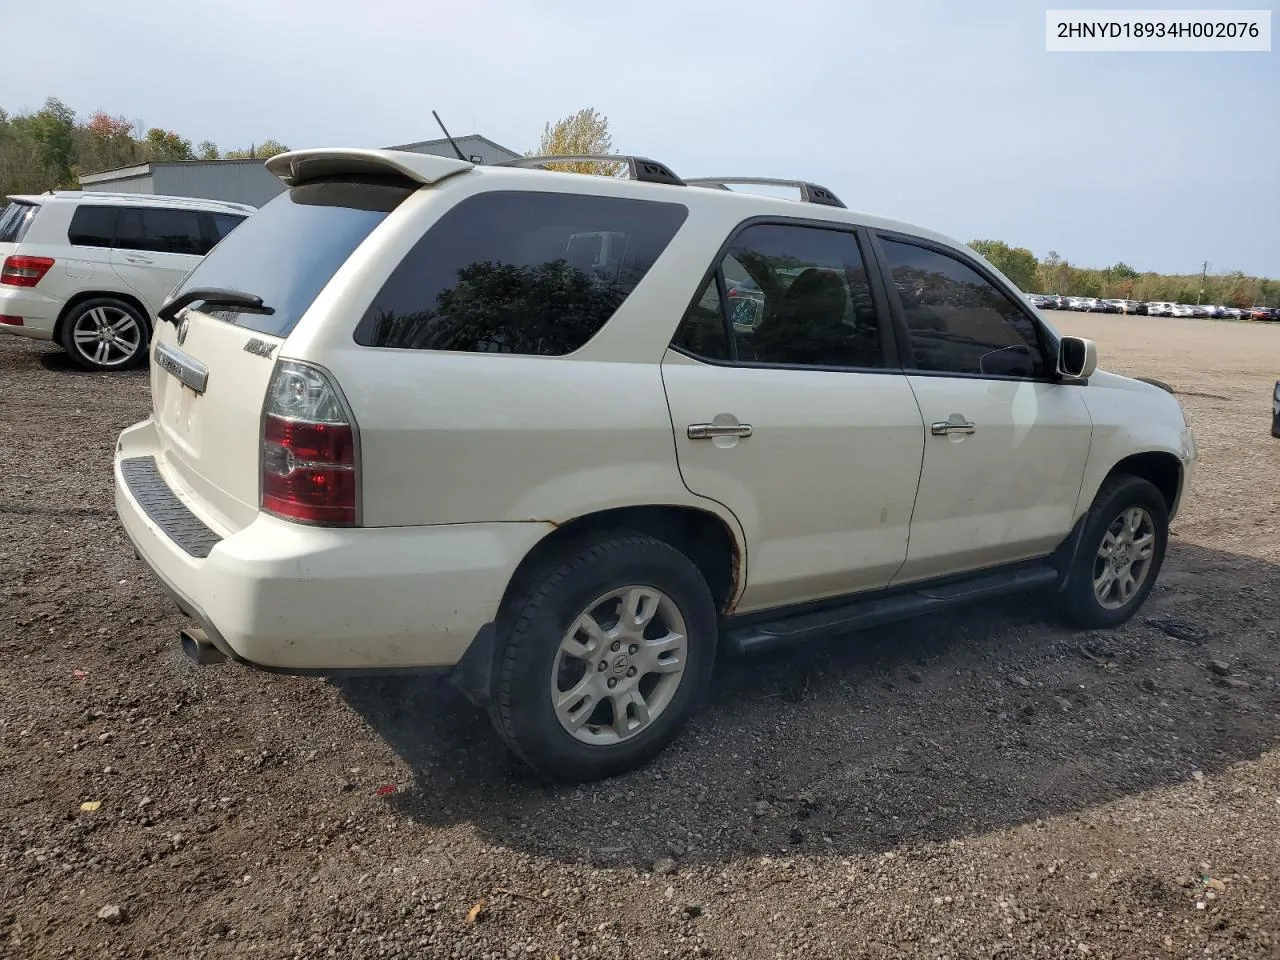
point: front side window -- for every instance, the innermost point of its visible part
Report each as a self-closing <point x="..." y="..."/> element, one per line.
<point x="92" y="226"/>
<point x="794" y="295"/>
<point x="160" y="231"/>
<point x="958" y="321"/>
<point x="519" y="272"/>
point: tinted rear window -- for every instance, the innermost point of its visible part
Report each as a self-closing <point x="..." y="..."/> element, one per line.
<point x="161" y="231"/>
<point x="519" y="272"/>
<point x="92" y="226"/>
<point x="287" y="251"/>
<point x="15" y="218"/>
<point x="224" y="223"/>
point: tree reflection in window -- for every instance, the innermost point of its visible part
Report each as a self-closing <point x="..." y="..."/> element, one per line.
<point x="519" y="272"/>
<point x="959" y="322"/>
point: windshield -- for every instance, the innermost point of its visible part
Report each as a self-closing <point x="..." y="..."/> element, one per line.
<point x="15" y="218"/>
<point x="290" y="249"/>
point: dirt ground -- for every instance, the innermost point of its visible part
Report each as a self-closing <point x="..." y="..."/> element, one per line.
<point x="986" y="784"/>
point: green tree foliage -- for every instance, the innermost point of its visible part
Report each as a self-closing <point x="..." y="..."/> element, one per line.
<point x="54" y="128"/>
<point x="264" y="150"/>
<point x="50" y="149"/>
<point x="104" y="143"/>
<point x="1017" y="263"/>
<point x="1053" y="274"/>
<point x="586" y="131"/>
<point x="166" y="145"/>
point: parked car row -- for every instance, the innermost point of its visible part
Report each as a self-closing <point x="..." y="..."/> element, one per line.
<point x="1153" y="308"/>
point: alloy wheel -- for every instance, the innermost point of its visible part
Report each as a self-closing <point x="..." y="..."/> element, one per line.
<point x="107" y="336"/>
<point x="1123" y="561"/>
<point x="619" y="665"/>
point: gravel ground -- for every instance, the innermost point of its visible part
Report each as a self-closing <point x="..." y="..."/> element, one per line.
<point x="982" y="784"/>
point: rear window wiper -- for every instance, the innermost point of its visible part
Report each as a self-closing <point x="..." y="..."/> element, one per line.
<point x="214" y="296"/>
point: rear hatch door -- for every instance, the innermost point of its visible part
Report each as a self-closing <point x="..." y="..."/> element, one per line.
<point x="213" y="365"/>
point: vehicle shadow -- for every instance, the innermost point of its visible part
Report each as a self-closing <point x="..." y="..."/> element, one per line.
<point x="925" y="731"/>
<point x="58" y="361"/>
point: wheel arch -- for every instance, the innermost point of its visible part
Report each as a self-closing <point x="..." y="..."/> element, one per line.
<point x="1161" y="469"/>
<point x="706" y="538"/>
<point x="85" y="295"/>
<point x="710" y="541"/>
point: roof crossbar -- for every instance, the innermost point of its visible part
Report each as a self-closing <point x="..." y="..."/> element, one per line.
<point x="638" y="168"/>
<point x="809" y="192"/>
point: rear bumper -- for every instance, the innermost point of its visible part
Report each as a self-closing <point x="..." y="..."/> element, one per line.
<point x="39" y="313"/>
<point x="306" y="599"/>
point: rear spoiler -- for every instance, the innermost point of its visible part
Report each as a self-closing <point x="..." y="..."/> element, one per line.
<point x="299" y="166"/>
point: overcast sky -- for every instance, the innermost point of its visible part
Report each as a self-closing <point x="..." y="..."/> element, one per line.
<point x="948" y="114"/>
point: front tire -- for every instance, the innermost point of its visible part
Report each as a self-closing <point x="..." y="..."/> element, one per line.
<point x="604" y="658"/>
<point x="1122" y="548"/>
<point x="105" y="334"/>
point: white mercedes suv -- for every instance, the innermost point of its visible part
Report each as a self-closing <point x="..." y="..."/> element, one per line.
<point x="90" y="270"/>
<point x="419" y="414"/>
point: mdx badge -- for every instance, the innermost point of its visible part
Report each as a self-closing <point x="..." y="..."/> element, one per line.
<point x="259" y="348"/>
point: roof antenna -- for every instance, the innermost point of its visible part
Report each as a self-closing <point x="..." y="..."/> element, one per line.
<point x="449" y="137"/>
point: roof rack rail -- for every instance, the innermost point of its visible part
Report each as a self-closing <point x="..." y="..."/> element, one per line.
<point x="638" y="168"/>
<point x="809" y="192"/>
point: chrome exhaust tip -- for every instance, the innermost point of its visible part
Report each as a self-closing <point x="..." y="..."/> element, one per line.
<point x="198" y="648"/>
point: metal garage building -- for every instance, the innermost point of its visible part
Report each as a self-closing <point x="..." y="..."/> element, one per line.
<point x="247" y="181"/>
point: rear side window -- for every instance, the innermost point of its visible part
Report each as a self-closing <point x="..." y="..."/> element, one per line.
<point x="92" y="226"/>
<point x="224" y="223"/>
<point x="15" y="219"/>
<point x="287" y="251"/>
<point x="519" y="272"/>
<point x="160" y="231"/>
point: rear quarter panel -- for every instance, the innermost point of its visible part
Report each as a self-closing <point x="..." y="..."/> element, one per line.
<point x="467" y="437"/>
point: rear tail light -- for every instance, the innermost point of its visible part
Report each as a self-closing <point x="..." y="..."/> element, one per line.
<point x="310" y="465"/>
<point x="24" y="271"/>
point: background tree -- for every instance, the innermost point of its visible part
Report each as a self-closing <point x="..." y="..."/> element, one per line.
<point x="264" y="151"/>
<point x="207" y="150"/>
<point x="23" y="167"/>
<point x="104" y="143"/>
<point x="586" y="131"/>
<point x="54" y="129"/>
<point x="1017" y="263"/>
<point x="166" y="145"/>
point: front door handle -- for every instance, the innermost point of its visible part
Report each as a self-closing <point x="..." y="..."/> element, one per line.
<point x="956" y="424"/>
<point x="139" y="260"/>
<point x="710" y="431"/>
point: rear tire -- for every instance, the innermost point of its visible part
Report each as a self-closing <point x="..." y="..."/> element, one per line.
<point x="581" y="696"/>
<point x="1121" y="550"/>
<point x="105" y="334"/>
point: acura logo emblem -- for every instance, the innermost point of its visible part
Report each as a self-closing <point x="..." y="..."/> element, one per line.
<point x="182" y="331"/>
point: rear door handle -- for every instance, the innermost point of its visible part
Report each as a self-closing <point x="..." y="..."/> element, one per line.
<point x="710" y="431"/>
<point x="956" y="424"/>
<point x="139" y="260"/>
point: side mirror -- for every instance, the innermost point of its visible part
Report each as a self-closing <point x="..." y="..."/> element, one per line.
<point x="1077" y="358"/>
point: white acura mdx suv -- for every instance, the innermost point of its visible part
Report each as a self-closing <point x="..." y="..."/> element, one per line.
<point x="90" y="270"/>
<point x="419" y="414"/>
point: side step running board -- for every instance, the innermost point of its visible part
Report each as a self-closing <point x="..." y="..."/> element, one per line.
<point x="873" y="611"/>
